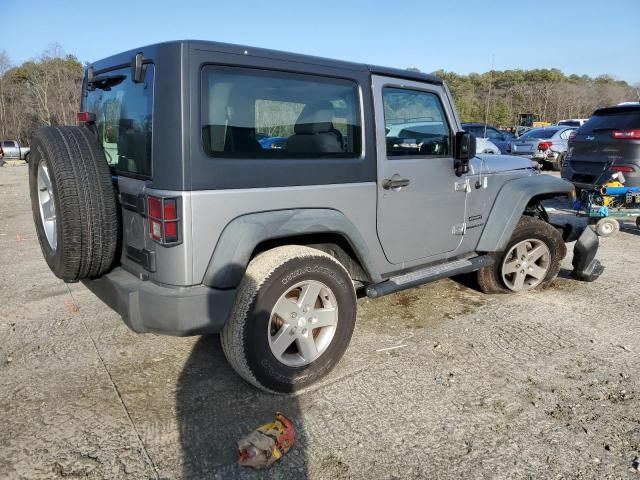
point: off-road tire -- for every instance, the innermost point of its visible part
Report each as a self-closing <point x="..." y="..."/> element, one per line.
<point x="607" y="227"/>
<point x="245" y="336"/>
<point x="84" y="198"/>
<point x="490" y="278"/>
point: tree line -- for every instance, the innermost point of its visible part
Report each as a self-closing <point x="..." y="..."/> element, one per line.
<point x="500" y="96"/>
<point x="46" y="91"/>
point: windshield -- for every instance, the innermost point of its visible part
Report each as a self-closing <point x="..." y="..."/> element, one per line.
<point x="539" y="133"/>
<point x="616" y="120"/>
<point x="123" y="111"/>
<point x="570" y="123"/>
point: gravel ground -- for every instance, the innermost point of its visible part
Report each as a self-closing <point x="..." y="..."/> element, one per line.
<point x="538" y="385"/>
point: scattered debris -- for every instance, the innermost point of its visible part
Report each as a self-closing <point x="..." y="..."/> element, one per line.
<point x="9" y="359"/>
<point x="624" y="347"/>
<point x="266" y="444"/>
<point x="391" y="348"/>
<point x="636" y="464"/>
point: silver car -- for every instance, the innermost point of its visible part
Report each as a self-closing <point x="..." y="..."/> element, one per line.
<point x="546" y="145"/>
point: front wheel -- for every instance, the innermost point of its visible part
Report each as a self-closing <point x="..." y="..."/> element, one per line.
<point x="532" y="258"/>
<point x="292" y="320"/>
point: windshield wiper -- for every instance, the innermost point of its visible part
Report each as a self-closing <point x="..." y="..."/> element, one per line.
<point x="105" y="82"/>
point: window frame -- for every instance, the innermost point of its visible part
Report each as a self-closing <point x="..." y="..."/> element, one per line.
<point x="442" y="109"/>
<point x="300" y="75"/>
<point x="83" y="107"/>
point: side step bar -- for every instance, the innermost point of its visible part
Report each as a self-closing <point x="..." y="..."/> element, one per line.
<point x="426" y="275"/>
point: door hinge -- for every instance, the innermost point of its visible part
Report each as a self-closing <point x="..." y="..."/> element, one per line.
<point x="462" y="186"/>
<point x="459" y="229"/>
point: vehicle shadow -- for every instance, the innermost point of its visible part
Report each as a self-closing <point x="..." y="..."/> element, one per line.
<point x="215" y="408"/>
<point x="630" y="228"/>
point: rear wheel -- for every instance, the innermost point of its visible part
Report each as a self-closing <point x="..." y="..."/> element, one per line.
<point x="532" y="258"/>
<point x="292" y="320"/>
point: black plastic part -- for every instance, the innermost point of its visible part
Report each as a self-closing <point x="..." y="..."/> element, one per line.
<point x="570" y="233"/>
<point x="144" y="257"/>
<point x="585" y="265"/>
<point x="427" y="275"/>
<point x="139" y="68"/>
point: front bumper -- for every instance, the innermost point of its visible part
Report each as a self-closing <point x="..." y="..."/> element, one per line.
<point x="148" y="307"/>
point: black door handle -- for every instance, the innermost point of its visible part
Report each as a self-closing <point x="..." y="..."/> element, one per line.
<point x="394" y="183"/>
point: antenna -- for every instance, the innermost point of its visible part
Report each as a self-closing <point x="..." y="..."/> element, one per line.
<point x="486" y="112"/>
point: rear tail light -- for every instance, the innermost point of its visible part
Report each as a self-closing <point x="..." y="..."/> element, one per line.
<point x="85" y="117"/>
<point x="633" y="134"/>
<point x="542" y="146"/>
<point x="573" y="134"/>
<point x="623" y="168"/>
<point x="163" y="219"/>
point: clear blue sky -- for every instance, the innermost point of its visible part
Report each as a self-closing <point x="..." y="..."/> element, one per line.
<point x="583" y="37"/>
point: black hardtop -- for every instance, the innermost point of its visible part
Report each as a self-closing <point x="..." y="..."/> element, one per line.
<point x="158" y="49"/>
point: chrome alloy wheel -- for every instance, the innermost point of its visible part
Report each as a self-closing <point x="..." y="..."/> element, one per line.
<point x="526" y="265"/>
<point x="303" y="323"/>
<point x="47" y="205"/>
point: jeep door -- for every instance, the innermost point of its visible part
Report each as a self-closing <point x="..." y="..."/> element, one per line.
<point x="421" y="201"/>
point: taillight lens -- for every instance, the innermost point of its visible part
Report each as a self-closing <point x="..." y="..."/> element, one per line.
<point x="633" y="134"/>
<point x="85" y="117"/>
<point x="623" y="168"/>
<point x="163" y="219"/>
<point x="573" y="134"/>
<point x="544" y="146"/>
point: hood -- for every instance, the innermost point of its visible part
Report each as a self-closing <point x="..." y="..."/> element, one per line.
<point x="488" y="163"/>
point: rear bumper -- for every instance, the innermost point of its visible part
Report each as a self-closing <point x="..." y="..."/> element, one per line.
<point x="148" y="307"/>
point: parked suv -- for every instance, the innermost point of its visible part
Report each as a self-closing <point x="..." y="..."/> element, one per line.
<point x="609" y="142"/>
<point x="168" y="204"/>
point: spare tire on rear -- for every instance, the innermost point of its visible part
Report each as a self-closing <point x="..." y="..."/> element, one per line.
<point x="73" y="202"/>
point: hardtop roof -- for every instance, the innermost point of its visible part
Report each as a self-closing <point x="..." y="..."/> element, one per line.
<point x="228" y="48"/>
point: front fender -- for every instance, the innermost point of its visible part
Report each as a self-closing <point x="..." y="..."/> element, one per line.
<point x="512" y="199"/>
<point x="241" y="236"/>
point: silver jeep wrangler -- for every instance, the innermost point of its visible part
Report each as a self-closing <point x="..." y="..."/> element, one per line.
<point x="218" y="188"/>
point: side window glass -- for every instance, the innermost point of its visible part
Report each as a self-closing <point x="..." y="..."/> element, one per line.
<point x="493" y="134"/>
<point x="415" y="124"/>
<point x="250" y="113"/>
<point x="566" y="134"/>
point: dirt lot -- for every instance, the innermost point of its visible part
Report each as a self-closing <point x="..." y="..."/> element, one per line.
<point x="538" y="385"/>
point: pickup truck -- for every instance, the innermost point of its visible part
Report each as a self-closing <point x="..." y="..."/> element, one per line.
<point x="12" y="150"/>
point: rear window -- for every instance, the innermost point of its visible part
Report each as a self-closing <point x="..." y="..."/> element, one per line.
<point x="250" y="113"/>
<point x="615" y="120"/>
<point x="123" y="111"/>
<point x="540" y="133"/>
<point x="570" y="123"/>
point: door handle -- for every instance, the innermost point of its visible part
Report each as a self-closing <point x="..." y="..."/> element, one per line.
<point x="395" y="183"/>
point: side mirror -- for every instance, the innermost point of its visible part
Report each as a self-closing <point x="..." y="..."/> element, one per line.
<point x="465" y="150"/>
